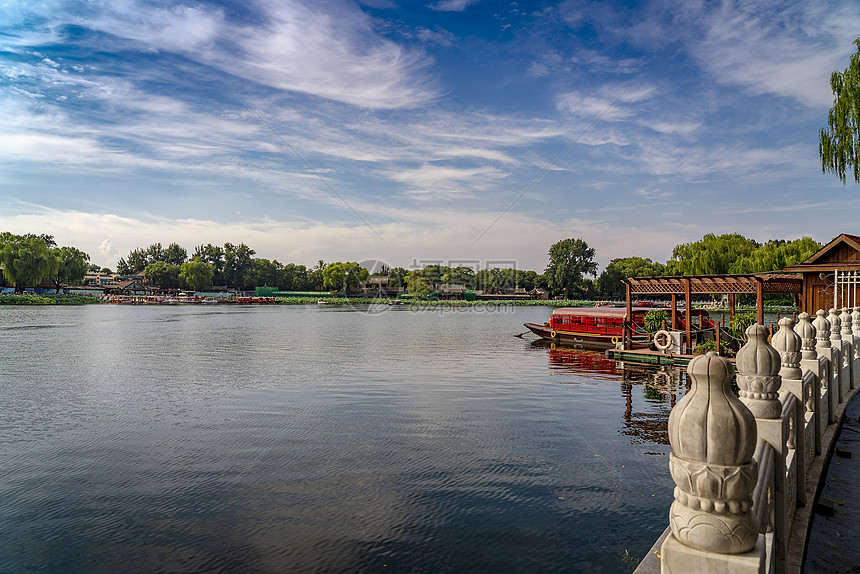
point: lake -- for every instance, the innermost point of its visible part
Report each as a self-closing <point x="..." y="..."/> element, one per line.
<point x="322" y="439"/>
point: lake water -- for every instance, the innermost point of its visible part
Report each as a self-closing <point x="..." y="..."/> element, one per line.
<point x="321" y="439"/>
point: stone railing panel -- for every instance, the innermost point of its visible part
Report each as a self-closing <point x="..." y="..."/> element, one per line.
<point x="734" y="508"/>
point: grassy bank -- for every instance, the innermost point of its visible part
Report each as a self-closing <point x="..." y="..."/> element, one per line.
<point x="31" y="299"/>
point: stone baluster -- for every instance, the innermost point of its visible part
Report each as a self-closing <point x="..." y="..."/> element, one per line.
<point x="788" y="344"/>
<point x="713" y="437"/>
<point x="822" y="330"/>
<point x="809" y="362"/>
<point x="758" y="365"/>
<point x="837" y="359"/>
<point x="855" y="330"/>
<point x="835" y="326"/>
<point x="828" y="377"/>
<point x="847" y="337"/>
<point x="855" y="321"/>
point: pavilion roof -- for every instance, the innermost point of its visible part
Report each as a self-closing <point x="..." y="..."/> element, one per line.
<point x="714" y="284"/>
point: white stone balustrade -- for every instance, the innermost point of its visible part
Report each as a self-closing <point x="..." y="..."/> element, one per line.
<point x="713" y="439"/>
<point x="829" y="378"/>
<point x="847" y="347"/>
<point x="793" y="393"/>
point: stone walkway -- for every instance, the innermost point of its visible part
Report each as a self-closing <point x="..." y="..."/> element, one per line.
<point x="834" y="542"/>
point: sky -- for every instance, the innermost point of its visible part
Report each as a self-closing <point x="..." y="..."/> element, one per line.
<point x="413" y="132"/>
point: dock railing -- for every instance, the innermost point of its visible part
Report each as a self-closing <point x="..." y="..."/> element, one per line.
<point x="747" y="468"/>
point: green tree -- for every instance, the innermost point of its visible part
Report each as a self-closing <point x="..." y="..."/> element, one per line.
<point x="775" y="255"/>
<point x="48" y="239"/>
<point x="238" y="260"/>
<point x="294" y="278"/>
<point x="839" y="142"/>
<point x="72" y="266"/>
<point x="214" y="256"/>
<point x="460" y="276"/>
<point x="711" y="255"/>
<point x="162" y="274"/>
<point x="175" y="254"/>
<point x="196" y="275"/>
<point x="397" y="278"/>
<point x="344" y="276"/>
<point x="27" y="260"/>
<point x="609" y="283"/>
<point x="569" y="260"/>
<point x="155" y="252"/>
<point x="264" y="273"/>
<point x="417" y="283"/>
<point x="135" y="262"/>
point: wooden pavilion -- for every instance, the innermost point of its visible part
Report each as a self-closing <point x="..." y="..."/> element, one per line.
<point x="831" y="277"/>
<point x="689" y="285"/>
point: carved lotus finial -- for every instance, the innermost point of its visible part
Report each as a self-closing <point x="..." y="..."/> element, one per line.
<point x="806" y="331"/>
<point x="835" y="325"/>
<point x="788" y="344"/>
<point x="855" y="321"/>
<point x="845" y="319"/>
<point x="822" y="330"/>
<point x="710" y="424"/>
<point x="713" y="436"/>
<point x="758" y="365"/>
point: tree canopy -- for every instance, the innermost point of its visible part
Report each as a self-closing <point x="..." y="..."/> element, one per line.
<point x="775" y="255"/>
<point x="27" y="260"/>
<point x="569" y="260"/>
<point x="839" y="142"/>
<point x="72" y="266"/>
<point x="196" y="275"/>
<point x="343" y="276"/>
<point x="711" y="255"/>
<point x="609" y="283"/>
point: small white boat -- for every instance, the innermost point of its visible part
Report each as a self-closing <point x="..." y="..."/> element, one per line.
<point x="322" y="302"/>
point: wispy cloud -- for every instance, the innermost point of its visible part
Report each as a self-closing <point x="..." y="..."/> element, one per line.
<point x="452" y="5"/>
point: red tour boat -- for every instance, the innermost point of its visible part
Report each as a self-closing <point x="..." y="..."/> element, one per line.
<point x="601" y="327"/>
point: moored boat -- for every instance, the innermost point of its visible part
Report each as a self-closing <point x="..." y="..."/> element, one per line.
<point x="595" y="328"/>
<point x="600" y="328"/>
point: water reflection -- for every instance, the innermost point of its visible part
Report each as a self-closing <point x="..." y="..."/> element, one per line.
<point x="661" y="388"/>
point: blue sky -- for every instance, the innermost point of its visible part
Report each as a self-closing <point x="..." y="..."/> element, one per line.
<point x="411" y="132"/>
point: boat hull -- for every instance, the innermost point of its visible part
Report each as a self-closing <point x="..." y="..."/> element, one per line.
<point x="593" y="341"/>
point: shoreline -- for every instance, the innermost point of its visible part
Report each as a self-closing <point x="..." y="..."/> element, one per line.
<point x="28" y="299"/>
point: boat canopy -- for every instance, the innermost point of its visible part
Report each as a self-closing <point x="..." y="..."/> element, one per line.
<point x="619" y="312"/>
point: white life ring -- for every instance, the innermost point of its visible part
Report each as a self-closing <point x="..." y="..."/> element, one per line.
<point x="662" y="340"/>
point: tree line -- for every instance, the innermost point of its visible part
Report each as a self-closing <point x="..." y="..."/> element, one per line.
<point x="571" y="272"/>
<point x="30" y="259"/>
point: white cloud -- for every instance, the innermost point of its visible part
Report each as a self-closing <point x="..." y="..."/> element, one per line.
<point x="452" y="5"/>
<point x="332" y="54"/>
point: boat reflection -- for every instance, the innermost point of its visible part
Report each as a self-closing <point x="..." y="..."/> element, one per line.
<point x="646" y="413"/>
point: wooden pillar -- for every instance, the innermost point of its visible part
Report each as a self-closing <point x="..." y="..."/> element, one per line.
<point x="689" y="301"/>
<point x="628" y="336"/>
<point x="718" y="339"/>
<point x="731" y="307"/>
<point x="674" y="312"/>
<point x="759" y="302"/>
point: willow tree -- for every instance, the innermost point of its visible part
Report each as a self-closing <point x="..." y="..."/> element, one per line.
<point x="27" y="260"/>
<point x="839" y="142"/>
<point x="711" y="255"/>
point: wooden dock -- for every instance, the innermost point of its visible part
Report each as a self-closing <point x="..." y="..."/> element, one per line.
<point x="649" y="357"/>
